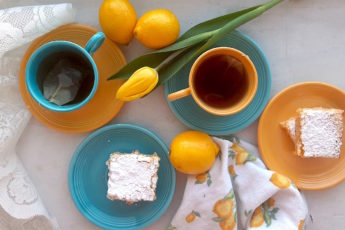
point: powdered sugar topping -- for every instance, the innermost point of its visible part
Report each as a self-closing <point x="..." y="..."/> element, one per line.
<point x="132" y="177"/>
<point x="321" y="132"/>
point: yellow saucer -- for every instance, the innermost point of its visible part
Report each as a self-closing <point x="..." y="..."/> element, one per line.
<point x="103" y="106"/>
<point x="277" y="149"/>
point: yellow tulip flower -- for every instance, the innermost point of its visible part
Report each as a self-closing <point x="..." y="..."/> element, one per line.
<point x="142" y="82"/>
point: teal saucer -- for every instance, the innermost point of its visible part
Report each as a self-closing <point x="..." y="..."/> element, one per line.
<point x="87" y="177"/>
<point x="189" y="113"/>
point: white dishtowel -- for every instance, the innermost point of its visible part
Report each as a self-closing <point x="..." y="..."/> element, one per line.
<point x="20" y="205"/>
<point x="239" y="192"/>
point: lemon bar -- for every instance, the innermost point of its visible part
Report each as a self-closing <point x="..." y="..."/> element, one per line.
<point x="289" y="126"/>
<point x="319" y="132"/>
<point x="132" y="177"/>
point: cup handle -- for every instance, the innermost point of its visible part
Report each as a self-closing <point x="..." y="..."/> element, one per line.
<point x="179" y="94"/>
<point x="95" y="42"/>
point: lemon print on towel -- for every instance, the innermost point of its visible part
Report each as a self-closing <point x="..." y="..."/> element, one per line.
<point x="265" y="213"/>
<point x="232" y="172"/>
<point x="241" y="155"/>
<point x="191" y="216"/>
<point x="280" y="181"/>
<point x="202" y="178"/>
<point x="257" y="218"/>
<point x="301" y="225"/>
<point x="225" y="209"/>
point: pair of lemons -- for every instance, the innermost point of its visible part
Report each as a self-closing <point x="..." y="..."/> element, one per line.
<point x="155" y="29"/>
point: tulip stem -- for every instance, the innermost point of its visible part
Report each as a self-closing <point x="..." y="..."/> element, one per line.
<point x="168" y="59"/>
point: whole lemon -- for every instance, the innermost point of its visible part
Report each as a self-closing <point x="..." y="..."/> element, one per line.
<point x="118" y="19"/>
<point x="157" y="28"/>
<point x="193" y="152"/>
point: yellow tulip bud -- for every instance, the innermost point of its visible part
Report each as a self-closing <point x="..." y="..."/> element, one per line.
<point x="142" y="82"/>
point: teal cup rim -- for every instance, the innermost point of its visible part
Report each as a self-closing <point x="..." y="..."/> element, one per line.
<point x="31" y="81"/>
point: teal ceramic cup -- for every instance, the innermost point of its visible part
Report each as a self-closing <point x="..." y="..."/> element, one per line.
<point x="41" y="62"/>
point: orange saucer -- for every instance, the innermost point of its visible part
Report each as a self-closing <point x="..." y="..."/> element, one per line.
<point x="277" y="149"/>
<point x="103" y="106"/>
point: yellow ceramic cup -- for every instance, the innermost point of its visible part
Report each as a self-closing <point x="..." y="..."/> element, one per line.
<point x="247" y="96"/>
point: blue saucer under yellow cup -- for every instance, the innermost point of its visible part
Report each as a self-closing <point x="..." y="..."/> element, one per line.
<point x="223" y="59"/>
<point x="192" y="115"/>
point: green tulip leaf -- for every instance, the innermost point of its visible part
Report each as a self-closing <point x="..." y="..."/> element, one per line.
<point x="214" y="24"/>
<point x="240" y="20"/>
<point x="177" y="63"/>
<point x="150" y="60"/>
<point x="192" y="43"/>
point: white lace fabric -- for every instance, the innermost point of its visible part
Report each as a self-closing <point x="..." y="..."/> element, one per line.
<point x="20" y="204"/>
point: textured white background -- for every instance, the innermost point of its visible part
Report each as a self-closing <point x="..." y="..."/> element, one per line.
<point x="304" y="40"/>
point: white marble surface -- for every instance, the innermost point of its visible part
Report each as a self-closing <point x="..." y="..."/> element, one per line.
<point x="303" y="40"/>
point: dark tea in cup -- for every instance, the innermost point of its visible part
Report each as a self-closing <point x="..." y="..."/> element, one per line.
<point x="62" y="76"/>
<point x="221" y="81"/>
<point x="65" y="77"/>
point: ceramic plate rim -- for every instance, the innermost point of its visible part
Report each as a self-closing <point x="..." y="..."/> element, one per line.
<point x="29" y="103"/>
<point x="255" y="115"/>
<point x="260" y="128"/>
<point x="95" y="134"/>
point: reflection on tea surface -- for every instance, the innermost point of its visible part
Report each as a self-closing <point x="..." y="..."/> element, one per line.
<point x="221" y="81"/>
